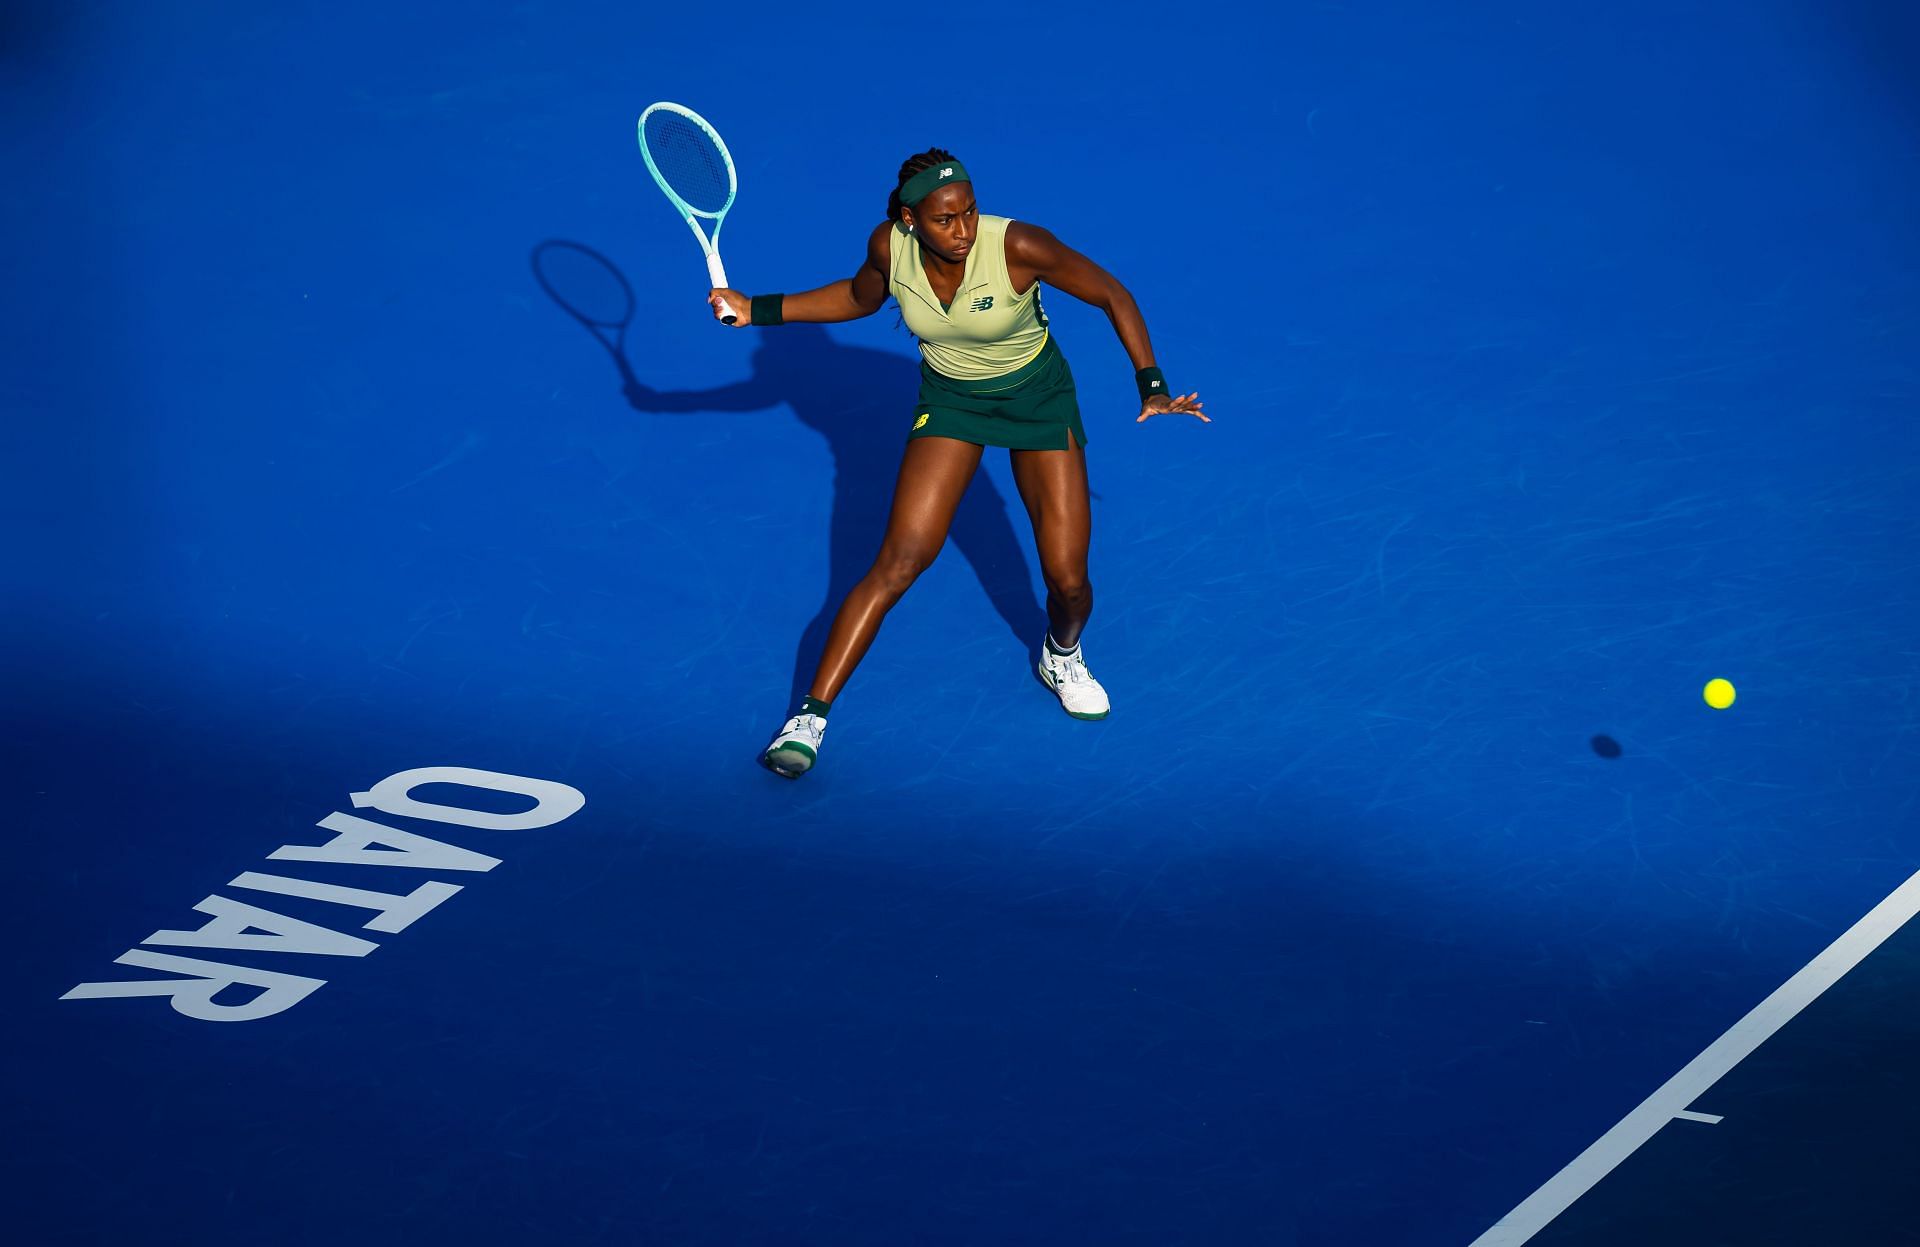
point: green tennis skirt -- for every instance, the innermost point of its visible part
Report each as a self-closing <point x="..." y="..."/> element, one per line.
<point x="1031" y="408"/>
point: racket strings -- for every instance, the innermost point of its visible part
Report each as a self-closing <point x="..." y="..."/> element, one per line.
<point x="689" y="161"/>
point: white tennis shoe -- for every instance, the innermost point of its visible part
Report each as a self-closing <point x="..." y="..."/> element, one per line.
<point x="794" y="751"/>
<point x="1067" y="675"/>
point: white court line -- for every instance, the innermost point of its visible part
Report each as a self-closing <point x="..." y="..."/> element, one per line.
<point x="1673" y="1098"/>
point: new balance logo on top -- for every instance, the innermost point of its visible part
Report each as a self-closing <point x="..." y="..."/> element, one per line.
<point x="982" y="304"/>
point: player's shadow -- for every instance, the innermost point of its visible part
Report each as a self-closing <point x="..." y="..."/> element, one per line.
<point x="859" y="400"/>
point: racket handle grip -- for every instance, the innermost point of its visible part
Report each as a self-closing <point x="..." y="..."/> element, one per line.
<point x="717" y="274"/>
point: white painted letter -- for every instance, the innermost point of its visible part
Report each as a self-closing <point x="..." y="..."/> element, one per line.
<point x="393" y="795"/>
<point x="232" y="921"/>
<point x="396" y="913"/>
<point x="194" y="996"/>
<point x="350" y="848"/>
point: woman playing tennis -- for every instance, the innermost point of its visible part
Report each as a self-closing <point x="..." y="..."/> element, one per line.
<point x="969" y="289"/>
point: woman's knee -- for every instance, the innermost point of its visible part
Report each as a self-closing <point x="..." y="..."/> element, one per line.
<point x="898" y="566"/>
<point x="1068" y="584"/>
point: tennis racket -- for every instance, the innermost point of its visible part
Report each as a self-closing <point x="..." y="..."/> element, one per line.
<point x="695" y="172"/>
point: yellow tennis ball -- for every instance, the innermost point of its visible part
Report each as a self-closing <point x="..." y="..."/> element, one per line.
<point x="1719" y="694"/>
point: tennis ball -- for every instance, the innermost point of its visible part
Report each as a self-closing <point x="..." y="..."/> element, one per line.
<point x="1719" y="694"/>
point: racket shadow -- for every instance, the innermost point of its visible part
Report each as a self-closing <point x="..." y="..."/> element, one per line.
<point x="847" y="394"/>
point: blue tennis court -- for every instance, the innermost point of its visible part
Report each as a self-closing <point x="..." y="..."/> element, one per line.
<point x="389" y="651"/>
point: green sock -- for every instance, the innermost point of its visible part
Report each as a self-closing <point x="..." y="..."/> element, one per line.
<point x="811" y="705"/>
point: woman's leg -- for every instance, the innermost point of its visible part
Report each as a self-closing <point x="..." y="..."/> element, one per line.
<point x="1053" y="484"/>
<point x="934" y="474"/>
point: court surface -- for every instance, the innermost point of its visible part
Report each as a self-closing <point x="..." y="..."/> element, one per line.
<point x="1560" y="361"/>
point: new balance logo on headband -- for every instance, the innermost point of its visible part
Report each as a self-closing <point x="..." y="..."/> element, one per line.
<point x="947" y="172"/>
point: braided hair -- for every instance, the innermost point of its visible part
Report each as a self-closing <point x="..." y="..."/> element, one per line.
<point x="918" y="163"/>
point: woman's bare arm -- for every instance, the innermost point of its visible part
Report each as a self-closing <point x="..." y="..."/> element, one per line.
<point x="863" y="294"/>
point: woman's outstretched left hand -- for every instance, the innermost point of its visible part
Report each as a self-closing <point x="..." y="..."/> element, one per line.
<point x="1185" y="404"/>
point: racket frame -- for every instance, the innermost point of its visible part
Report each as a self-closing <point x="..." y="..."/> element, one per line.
<point x="710" y="247"/>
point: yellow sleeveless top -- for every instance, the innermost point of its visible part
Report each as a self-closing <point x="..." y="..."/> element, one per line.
<point x="989" y="331"/>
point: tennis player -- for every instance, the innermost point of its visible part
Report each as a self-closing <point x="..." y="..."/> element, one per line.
<point x="991" y="375"/>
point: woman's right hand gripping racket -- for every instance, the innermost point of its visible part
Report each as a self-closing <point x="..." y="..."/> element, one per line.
<point x="694" y="170"/>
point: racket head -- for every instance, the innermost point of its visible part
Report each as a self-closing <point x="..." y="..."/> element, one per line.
<point x="587" y="285"/>
<point x="688" y="160"/>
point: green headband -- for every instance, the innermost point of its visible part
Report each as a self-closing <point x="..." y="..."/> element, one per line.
<point x="927" y="181"/>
